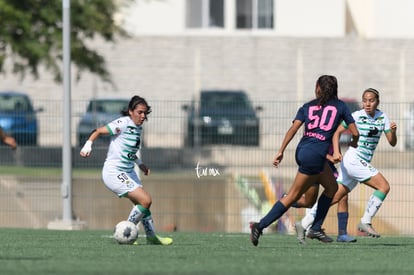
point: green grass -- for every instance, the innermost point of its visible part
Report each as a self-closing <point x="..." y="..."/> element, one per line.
<point x="28" y="251"/>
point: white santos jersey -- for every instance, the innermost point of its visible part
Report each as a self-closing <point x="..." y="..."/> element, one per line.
<point x="370" y="130"/>
<point x="125" y="143"/>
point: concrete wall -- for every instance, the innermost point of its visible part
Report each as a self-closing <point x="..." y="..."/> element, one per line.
<point x="268" y="68"/>
<point x="184" y="202"/>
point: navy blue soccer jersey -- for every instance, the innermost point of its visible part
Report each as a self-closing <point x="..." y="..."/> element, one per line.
<point x="321" y="122"/>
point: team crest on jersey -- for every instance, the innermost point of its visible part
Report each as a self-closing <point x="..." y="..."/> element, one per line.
<point x="129" y="184"/>
<point x="118" y="130"/>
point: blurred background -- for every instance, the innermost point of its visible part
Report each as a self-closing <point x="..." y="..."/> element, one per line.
<point x="211" y="166"/>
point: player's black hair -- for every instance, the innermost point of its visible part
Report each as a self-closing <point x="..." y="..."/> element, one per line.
<point x="372" y="90"/>
<point x="329" y="88"/>
<point x="136" y="100"/>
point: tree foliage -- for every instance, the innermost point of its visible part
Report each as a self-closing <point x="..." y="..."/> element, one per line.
<point x="31" y="35"/>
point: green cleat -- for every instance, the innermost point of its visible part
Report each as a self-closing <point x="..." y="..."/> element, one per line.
<point x="159" y="240"/>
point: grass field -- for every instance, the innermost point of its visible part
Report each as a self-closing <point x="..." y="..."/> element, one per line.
<point x="28" y="251"/>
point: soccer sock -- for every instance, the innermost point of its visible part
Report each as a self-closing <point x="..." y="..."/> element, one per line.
<point x="276" y="212"/>
<point x="148" y="224"/>
<point x="342" y="222"/>
<point x="322" y="210"/>
<point x="309" y="217"/>
<point x="374" y="203"/>
<point x="137" y="213"/>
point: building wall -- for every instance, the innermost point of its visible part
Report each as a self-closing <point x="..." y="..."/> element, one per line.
<point x="177" y="67"/>
<point x="316" y="18"/>
<point x="382" y="18"/>
<point x="293" y="18"/>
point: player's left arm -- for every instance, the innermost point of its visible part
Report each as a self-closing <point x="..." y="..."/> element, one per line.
<point x="141" y="164"/>
<point x="391" y="134"/>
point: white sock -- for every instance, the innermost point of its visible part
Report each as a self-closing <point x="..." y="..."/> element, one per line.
<point x="137" y="213"/>
<point x="148" y="224"/>
<point x="374" y="203"/>
<point x="309" y="217"/>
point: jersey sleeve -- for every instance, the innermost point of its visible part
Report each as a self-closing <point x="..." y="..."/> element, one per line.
<point x="354" y="116"/>
<point x="116" y="126"/>
<point x="387" y="124"/>
<point x="300" y="115"/>
<point x="348" y="116"/>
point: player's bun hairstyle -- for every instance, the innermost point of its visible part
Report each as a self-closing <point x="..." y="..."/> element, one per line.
<point x="329" y="88"/>
<point x="372" y="90"/>
<point x="136" y="100"/>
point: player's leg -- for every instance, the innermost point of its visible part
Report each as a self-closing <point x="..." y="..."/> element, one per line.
<point x="309" y="198"/>
<point x="301" y="183"/>
<point x="382" y="188"/>
<point x="142" y="202"/>
<point x="141" y="211"/>
<point x="343" y="215"/>
<point x="152" y="237"/>
<point x="305" y="223"/>
<point x="308" y="219"/>
<point x="309" y="201"/>
<point x="328" y="181"/>
<point x="128" y="185"/>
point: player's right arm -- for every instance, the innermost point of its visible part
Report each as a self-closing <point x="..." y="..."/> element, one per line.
<point x="288" y="137"/>
<point x="87" y="148"/>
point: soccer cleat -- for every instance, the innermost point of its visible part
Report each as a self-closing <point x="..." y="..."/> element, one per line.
<point x="345" y="238"/>
<point x="367" y="228"/>
<point x="320" y="235"/>
<point x="300" y="232"/>
<point x="159" y="240"/>
<point x="255" y="233"/>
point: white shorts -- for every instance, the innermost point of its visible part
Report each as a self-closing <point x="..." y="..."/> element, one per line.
<point x="120" y="182"/>
<point x="354" y="170"/>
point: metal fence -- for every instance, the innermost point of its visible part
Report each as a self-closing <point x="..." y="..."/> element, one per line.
<point x="203" y="187"/>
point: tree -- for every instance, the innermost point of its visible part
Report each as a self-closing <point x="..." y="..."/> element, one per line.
<point x="31" y="35"/>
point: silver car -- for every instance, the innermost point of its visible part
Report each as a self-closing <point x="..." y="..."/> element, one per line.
<point x="98" y="113"/>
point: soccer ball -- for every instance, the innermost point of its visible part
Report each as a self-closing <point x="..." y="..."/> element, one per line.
<point x="126" y="232"/>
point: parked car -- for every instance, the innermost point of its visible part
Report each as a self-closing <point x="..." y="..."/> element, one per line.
<point x="18" y="117"/>
<point x="222" y="117"/>
<point x="353" y="105"/>
<point x="98" y="113"/>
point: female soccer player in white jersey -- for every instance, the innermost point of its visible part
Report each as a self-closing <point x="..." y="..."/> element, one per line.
<point x="118" y="172"/>
<point x="356" y="167"/>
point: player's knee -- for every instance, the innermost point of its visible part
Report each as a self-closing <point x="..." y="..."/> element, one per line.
<point x="146" y="202"/>
<point x="331" y="190"/>
<point x="309" y="202"/>
<point x="386" y="189"/>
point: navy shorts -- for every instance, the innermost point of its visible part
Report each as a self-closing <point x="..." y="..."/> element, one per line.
<point x="310" y="162"/>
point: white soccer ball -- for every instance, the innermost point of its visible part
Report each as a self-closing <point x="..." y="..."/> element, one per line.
<point x="126" y="232"/>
